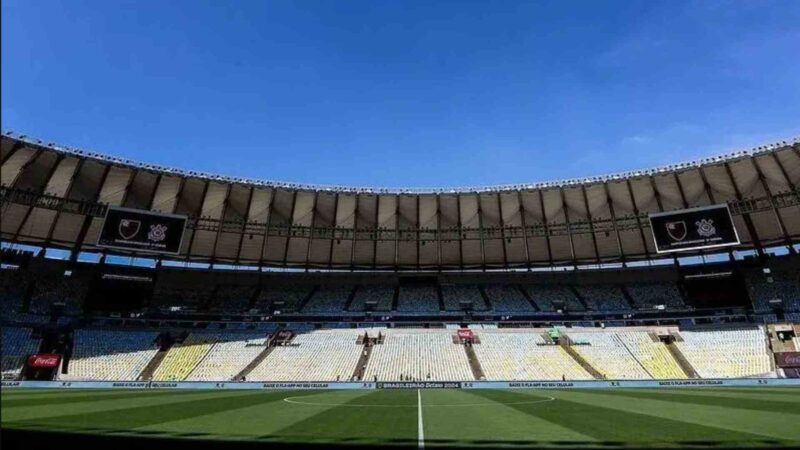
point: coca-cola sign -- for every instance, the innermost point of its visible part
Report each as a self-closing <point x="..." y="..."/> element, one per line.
<point x="465" y="334"/>
<point x="787" y="359"/>
<point x="43" y="361"/>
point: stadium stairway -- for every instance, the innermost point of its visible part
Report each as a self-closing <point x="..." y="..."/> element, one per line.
<point x="528" y="297"/>
<point x="679" y="358"/>
<point x="474" y="363"/>
<point x="566" y="344"/>
<point x="242" y="375"/>
<point x="361" y="365"/>
<point x="150" y="368"/>
<point x="579" y="297"/>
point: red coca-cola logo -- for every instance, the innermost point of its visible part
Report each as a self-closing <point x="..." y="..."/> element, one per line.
<point x="465" y="334"/>
<point x="44" y="361"/>
<point x="788" y="359"/>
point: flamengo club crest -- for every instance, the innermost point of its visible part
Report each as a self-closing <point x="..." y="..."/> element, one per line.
<point x="676" y="230"/>
<point x="129" y="228"/>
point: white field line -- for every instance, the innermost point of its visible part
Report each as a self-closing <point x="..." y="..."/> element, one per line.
<point x="421" y="437"/>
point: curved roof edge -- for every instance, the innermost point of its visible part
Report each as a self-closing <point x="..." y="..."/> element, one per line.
<point x="730" y="156"/>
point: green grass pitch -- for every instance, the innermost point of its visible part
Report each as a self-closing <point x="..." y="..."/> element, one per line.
<point x="768" y="416"/>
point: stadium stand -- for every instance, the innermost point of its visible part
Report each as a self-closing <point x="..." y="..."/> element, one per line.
<point x="525" y="356"/>
<point x="291" y="296"/>
<point x="182" y="358"/>
<point x="651" y="354"/>
<point x="229" y="356"/>
<point x="17" y="344"/>
<point x="507" y="298"/>
<point x="381" y="295"/>
<point x="546" y="297"/>
<point x="647" y="295"/>
<point x="105" y="355"/>
<point x="57" y="289"/>
<point x="453" y="295"/>
<point x="186" y="299"/>
<point x="726" y="353"/>
<point x="232" y="298"/>
<point x="603" y="297"/>
<point x="323" y="355"/>
<point x="417" y="299"/>
<point x="608" y="355"/>
<point x="418" y="355"/>
<point x="328" y="299"/>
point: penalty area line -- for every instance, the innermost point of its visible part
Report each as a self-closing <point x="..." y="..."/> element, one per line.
<point x="421" y="436"/>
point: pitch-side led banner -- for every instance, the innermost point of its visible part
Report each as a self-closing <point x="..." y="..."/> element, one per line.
<point x="692" y="229"/>
<point x="142" y="231"/>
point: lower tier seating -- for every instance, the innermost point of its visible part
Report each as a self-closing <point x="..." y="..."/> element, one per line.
<point x="110" y="355"/>
<point x="521" y="356"/>
<point x="726" y="353"/>
<point x="418" y="355"/>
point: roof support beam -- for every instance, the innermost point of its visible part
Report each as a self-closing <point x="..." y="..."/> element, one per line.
<point x="267" y="228"/>
<point x="221" y="225"/>
<point x="14" y="147"/>
<point x="31" y="208"/>
<point x="480" y="233"/>
<point x="502" y="229"/>
<point x="591" y="222"/>
<point x="638" y="219"/>
<point x="396" y="231"/>
<point x="87" y="221"/>
<point x="376" y="234"/>
<point x="524" y="230"/>
<point x="779" y="219"/>
<point x="546" y="228"/>
<point x="748" y="221"/>
<point x="438" y="233"/>
<point x="569" y="226"/>
<point x="614" y="224"/>
<point x="197" y="218"/>
<point x="244" y="224"/>
<point x="461" y="234"/>
<point x="75" y="174"/>
<point x="313" y="228"/>
<point x="289" y="230"/>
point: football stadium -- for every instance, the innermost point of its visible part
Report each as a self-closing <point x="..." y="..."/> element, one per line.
<point x="653" y="308"/>
<point x="608" y="257"/>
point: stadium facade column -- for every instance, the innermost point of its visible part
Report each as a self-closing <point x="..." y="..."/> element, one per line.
<point x="591" y="222"/>
<point x="638" y="215"/>
<point x="312" y="229"/>
<point x="87" y="220"/>
<point x="524" y="229"/>
<point x="355" y="230"/>
<point x="67" y="192"/>
<point x="480" y="232"/>
<point x="789" y="182"/>
<point x="546" y="228"/>
<point x="569" y="226"/>
<point x="39" y="190"/>
<point x="245" y="222"/>
<point x="610" y="205"/>
<point x="775" y="212"/>
<point x="267" y="230"/>
<point x="289" y="230"/>
<point x="748" y="221"/>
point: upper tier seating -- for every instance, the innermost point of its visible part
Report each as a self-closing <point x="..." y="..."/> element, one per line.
<point x="453" y="295"/>
<point x="12" y="289"/>
<point x="187" y="299"/>
<point x="654" y="356"/>
<point x="784" y="285"/>
<point x="608" y="355"/>
<point x="419" y="354"/>
<point x="726" y="353"/>
<point x="328" y="299"/>
<point x="57" y="289"/>
<point x="382" y="295"/>
<point x="291" y="296"/>
<point x="184" y="357"/>
<point x="601" y="297"/>
<point x="110" y="355"/>
<point x="232" y="298"/>
<point x="507" y="298"/>
<point x="323" y="355"/>
<point x="647" y="295"/>
<point x="229" y="356"/>
<point x="17" y="345"/>
<point x="546" y="296"/>
<point x="419" y="299"/>
<point x="518" y="356"/>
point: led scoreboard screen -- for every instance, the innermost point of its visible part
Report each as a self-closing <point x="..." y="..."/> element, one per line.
<point x="142" y="231"/>
<point x="693" y="229"/>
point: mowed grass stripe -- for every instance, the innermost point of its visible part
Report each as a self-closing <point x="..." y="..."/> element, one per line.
<point x="725" y="401"/>
<point x="475" y="420"/>
<point x="256" y="420"/>
<point x="70" y="397"/>
<point x="127" y="418"/>
<point x="356" y="422"/>
<point x="793" y="397"/>
<point x="42" y="411"/>
<point x="612" y="425"/>
<point x="729" y="421"/>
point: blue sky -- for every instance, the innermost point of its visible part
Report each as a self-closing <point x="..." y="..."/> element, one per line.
<point x="403" y="93"/>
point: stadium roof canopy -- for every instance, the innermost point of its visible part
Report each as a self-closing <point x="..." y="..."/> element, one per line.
<point x="57" y="196"/>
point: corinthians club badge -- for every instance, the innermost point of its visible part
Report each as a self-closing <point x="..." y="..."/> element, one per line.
<point x="677" y="230"/>
<point x="705" y="228"/>
<point x="129" y="228"/>
<point x="157" y="233"/>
